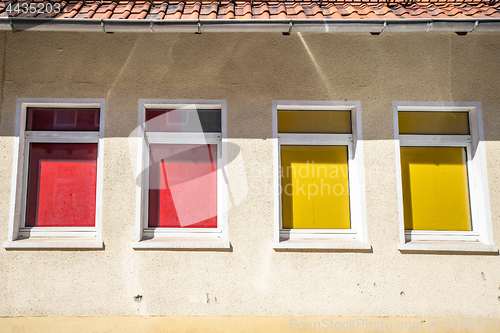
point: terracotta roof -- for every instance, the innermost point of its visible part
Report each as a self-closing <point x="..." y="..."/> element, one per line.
<point x="266" y="10"/>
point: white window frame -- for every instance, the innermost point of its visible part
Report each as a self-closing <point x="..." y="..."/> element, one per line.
<point x="480" y="238"/>
<point x="180" y="238"/>
<point x="353" y="239"/>
<point x="21" y="237"/>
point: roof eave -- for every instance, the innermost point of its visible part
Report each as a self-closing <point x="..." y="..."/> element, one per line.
<point x="375" y="26"/>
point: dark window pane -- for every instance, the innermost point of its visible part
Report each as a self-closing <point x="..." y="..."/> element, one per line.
<point x="183" y="120"/>
<point x="54" y="119"/>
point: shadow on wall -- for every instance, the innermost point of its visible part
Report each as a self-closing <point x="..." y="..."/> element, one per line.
<point x="252" y="70"/>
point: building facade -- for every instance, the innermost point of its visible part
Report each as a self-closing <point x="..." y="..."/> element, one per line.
<point x="262" y="102"/>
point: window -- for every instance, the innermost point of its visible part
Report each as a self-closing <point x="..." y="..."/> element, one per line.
<point x="442" y="187"/>
<point x="319" y="181"/>
<point x="57" y="175"/>
<point x="182" y="183"/>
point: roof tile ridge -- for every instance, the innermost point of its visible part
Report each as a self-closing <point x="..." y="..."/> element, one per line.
<point x="76" y="8"/>
<point x="296" y="10"/>
<point x="127" y="10"/>
<point x="451" y="9"/>
<point x="191" y="7"/>
<point x="363" y="9"/>
<point x="489" y="10"/>
<point x="346" y="9"/>
<point x="226" y="11"/>
<point x="92" y="10"/>
<point x="381" y="9"/>
<point x="243" y="10"/>
<point x="191" y="11"/>
<point x="175" y="7"/>
<point x="210" y="7"/>
<point x="144" y="10"/>
<point x="467" y="9"/>
<point x="330" y="10"/>
<point x="161" y="11"/>
<point x="313" y="10"/>
<point x="415" y="9"/>
<point x="109" y="10"/>
<point x="4" y="4"/>
<point x="174" y="11"/>
<point x="434" y="10"/>
<point x="276" y="9"/>
<point x="261" y="11"/>
<point x="399" y="9"/>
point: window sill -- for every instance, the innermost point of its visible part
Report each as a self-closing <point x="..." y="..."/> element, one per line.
<point x="54" y="243"/>
<point x="446" y="246"/>
<point x="180" y="243"/>
<point x="322" y="244"/>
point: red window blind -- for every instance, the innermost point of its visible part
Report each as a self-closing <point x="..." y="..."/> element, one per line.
<point x="62" y="185"/>
<point x="183" y="186"/>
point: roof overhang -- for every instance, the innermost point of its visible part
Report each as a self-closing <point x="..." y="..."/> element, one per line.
<point x="375" y="26"/>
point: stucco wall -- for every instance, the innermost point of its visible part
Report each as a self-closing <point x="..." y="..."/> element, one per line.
<point x="249" y="71"/>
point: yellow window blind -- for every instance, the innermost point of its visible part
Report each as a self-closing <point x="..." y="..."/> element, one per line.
<point x="438" y="123"/>
<point x="315" y="187"/>
<point x="435" y="188"/>
<point x="319" y="122"/>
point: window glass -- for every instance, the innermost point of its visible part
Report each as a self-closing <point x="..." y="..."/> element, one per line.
<point x="183" y="120"/>
<point x="315" y="187"/>
<point x="437" y="123"/>
<point x="59" y="119"/>
<point x="62" y="185"/>
<point x="319" y="122"/>
<point x="435" y="188"/>
<point x="183" y="186"/>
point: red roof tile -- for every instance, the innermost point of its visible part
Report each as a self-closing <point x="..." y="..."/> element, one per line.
<point x="312" y="10"/>
<point x="385" y="12"/>
<point x="243" y="11"/>
<point x="226" y="11"/>
<point x="364" y="9"/>
<point x="191" y="11"/>
<point x="157" y="12"/>
<point x="277" y="10"/>
<point x="209" y="11"/>
<point x="261" y="11"/>
<point x="488" y="10"/>
<point x="293" y="9"/>
<point x="174" y="11"/>
<point x="331" y="11"/>
<point x="88" y="11"/>
<point x="72" y="9"/>
<point x="139" y="11"/>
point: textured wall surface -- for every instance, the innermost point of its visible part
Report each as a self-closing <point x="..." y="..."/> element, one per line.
<point x="250" y="71"/>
